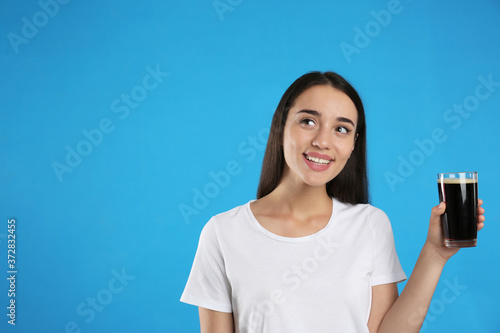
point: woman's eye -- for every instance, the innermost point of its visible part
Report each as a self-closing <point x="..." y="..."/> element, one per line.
<point x="343" y="129"/>
<point x="307" y="122"/>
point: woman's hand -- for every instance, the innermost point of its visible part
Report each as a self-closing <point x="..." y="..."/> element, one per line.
<point x="435" y="238"/>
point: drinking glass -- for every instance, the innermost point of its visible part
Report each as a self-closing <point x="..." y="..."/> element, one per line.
<point x="459" y="191"/>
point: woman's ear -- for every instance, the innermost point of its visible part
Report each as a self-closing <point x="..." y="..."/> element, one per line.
<point x="354" y="144"/>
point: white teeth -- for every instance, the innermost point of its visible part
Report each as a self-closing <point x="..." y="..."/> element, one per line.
<point x="317" y="160"/>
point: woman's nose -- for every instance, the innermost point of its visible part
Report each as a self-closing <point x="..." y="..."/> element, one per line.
<point x="322" y="139"/>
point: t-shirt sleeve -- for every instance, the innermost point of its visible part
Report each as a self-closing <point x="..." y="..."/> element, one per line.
<point x="207" y="285"/>
<point x="386" y="265"/>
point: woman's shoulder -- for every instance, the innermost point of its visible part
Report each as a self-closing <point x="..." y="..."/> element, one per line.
<point x="226" y="225"/>
<point x="365" y="217"/>
<point x="230" y="217"/>
<point x="233" y="212"/>
<point x="365" y="208"/>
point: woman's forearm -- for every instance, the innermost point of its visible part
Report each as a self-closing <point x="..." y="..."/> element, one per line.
<point x="407" y="314"/>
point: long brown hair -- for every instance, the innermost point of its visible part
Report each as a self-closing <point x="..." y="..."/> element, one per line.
<point x="351" y="184"/>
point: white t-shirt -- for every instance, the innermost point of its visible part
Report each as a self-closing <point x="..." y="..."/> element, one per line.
<point x="317" y="283"/>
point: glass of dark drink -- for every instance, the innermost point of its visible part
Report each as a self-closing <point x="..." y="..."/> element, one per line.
<point x="459" y="221"/>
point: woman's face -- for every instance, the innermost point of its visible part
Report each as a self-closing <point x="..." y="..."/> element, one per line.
<point x="319" y="135"/>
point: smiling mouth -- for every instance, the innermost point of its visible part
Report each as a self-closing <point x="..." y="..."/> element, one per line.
<point x="318" y="161"/>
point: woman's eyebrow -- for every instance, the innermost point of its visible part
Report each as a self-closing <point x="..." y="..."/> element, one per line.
<point x="318" y="114"/>
<point x="311" y="112"/>
<point x="346" y="120"/>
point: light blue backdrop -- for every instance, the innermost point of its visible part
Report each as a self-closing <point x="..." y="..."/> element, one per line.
<point x="118" y="120"/>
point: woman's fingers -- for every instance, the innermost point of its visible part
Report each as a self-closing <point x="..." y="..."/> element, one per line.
<point x="436" y="213"/>
<point x="480" y="215"/>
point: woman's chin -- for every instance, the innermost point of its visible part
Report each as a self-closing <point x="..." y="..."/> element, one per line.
<point x="316" y="182"/>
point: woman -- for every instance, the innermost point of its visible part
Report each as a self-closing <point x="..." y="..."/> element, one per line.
<point x="310" y="254"/>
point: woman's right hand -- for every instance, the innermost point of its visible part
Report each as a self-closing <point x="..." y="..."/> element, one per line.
<point x="435" y="237"/>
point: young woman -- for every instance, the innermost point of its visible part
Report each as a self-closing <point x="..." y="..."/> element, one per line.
<point x="310" y="254"/>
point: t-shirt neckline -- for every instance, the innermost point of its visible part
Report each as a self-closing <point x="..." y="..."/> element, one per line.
<point x="274" y="236"/>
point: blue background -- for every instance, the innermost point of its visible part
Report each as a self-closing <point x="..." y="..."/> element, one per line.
<point x="117" y="209"/>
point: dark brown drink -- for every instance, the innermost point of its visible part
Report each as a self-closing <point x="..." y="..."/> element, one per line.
<point x="459" y="220"/>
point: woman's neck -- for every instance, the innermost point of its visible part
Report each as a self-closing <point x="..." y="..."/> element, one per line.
<point x="301" y="199"/>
